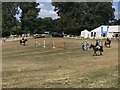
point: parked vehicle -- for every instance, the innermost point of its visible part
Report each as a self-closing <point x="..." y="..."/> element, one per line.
<point x="56" y="34"/>
<point x="38" y="36"/>
<point x="46" y="34"/>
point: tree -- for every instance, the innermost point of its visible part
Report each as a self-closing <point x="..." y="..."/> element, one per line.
<point x="29" y="15"/>
<point x="115" y="22"/>
<point x="77" y="16"/>
<point x="8" y="19"/>
<point x="57" y="25"/>
<point x="47" y="23"/>
<point x="118" y="22"/>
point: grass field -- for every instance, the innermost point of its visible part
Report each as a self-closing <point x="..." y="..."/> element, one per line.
<point x="63" y="67"/>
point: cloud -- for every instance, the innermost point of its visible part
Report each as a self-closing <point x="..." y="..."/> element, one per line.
<point x="18" y="15"/>
<point x="42" y="6"/>
<point x="114" y="7"/>
<point x="47" y="13"/>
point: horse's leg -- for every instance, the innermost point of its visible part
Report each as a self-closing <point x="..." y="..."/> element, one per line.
<point x="100" y="53"/>
<point x="95" y="53"/>
<point x="20" y="42"/>
<point x="105" y="44"/>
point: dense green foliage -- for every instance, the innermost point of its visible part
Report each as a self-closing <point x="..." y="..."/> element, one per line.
<point x="79" y="16"/>
<point x="8" y="19"/>
<point x="10" y="25"/>
<point x="29" y="15"/>
<point x="74" y="17"/>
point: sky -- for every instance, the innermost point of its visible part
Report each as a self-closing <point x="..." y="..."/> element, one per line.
<point x="47" y="10"/>
<point x="116" y="5"/>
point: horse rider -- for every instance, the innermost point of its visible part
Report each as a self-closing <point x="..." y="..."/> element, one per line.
<point x="107" y="40"/>
<point x="23" y="38"/>
<point x="100" y="44"/>
<point x="97" y="44"/>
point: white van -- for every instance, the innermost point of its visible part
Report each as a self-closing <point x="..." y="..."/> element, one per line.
<point x="46" y="34"/>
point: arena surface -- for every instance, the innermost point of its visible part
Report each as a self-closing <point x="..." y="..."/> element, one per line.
<point x="66" y="66"/>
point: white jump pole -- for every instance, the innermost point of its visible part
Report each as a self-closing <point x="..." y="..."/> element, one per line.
<point x="36" y="42"/>
<point x="44" y="44"/>
<point x="64" y="44"/>
<point x="53" y="44"/>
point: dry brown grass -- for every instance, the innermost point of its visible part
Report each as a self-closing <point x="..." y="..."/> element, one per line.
<point x="30" y="66"/>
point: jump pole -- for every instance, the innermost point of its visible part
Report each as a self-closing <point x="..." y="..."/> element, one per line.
<point x="53" y="44"/>
<point x="36" y="42"/>
<point x="44" y="44"/>
<point x="64" y="44"/>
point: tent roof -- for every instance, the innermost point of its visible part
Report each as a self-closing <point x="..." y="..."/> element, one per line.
<point x="85" y="30"/>
<point x="113" y="28"/>
<point x="96" y="29"/>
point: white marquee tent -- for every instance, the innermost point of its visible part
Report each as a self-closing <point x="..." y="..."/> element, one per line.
<point x="113" y="31"/>
<point x="96" y="33"/>
<point x="104" y="32"/>
<point x="85" y="33"/>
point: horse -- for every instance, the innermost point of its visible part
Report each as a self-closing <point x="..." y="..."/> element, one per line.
<point x="95" y="49"/>
<point x="107" y="43"/>
<point x="23" y="41"/>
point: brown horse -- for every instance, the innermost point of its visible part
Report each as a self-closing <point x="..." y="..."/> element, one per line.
<point x="95" y="49"/>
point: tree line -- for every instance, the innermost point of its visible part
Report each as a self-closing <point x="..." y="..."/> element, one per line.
<point x="74" y="17"/>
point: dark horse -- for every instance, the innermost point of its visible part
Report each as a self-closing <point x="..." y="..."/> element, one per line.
<point x="107" y="43"/>
<point x="95" y="49"/>
<point x="23" y="41"/>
